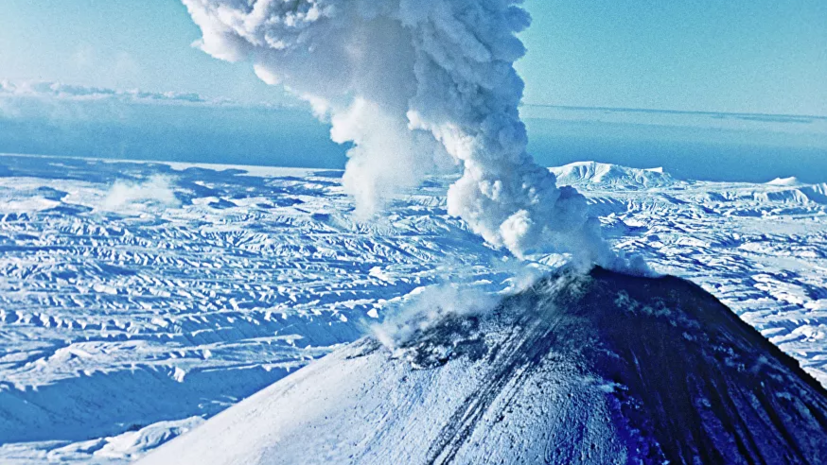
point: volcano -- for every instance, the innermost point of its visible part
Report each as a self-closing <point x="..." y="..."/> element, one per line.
<point x="597" y="368"/>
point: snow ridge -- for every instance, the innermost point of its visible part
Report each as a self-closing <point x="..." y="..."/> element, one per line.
<point x="611" y="176"/>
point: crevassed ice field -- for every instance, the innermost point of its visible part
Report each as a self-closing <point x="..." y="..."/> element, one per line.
<point x="137" y="299"/>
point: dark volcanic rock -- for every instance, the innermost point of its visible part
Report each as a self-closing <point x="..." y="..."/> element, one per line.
<point x="700" y="383"/>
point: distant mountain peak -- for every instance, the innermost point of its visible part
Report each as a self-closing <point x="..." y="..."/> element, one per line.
<point x="790" y="181"/>
<point x="609" y="175"/>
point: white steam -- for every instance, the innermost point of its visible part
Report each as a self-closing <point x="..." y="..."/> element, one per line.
<point x="412" y="83"/>
<point x="426" y="307"/>
<point x="157" y="189"/>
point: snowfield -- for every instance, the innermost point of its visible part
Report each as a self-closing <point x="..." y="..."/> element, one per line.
<point x="137" y="299"/>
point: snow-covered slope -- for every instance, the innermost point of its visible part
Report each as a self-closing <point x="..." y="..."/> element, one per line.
<point x="611" y="176"/>
<point x="599" y="369"/>
<point x="135" y="296"/>
<point x="788" y="181"/>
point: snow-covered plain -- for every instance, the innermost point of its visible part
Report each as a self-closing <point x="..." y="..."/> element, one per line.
<point x="138" y="298"/>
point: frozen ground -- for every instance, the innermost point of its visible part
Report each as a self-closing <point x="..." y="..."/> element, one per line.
<point x="136" y="299"/>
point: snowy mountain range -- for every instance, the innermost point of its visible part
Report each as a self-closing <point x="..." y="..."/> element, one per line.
<point x="138" y="299"/>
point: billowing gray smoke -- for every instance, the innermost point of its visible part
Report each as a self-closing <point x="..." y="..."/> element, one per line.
<point x="415" y="84"/>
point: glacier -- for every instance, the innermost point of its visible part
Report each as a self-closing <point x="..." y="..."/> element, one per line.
<point x="124" y="324"/>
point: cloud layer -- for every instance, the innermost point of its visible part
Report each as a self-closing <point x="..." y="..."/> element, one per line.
<point x="56" y="90"/>
<point x="59" y="119"/>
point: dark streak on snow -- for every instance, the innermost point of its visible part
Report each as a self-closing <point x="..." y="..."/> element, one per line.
<point x="694" y="382"/>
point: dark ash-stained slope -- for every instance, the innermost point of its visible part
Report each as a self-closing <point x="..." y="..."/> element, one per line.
<point x="696" y="378"/>
<point x="598" y="369"/>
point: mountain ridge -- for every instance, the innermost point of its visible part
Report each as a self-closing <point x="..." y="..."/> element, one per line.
<point x="611" y="175"/>
<point x="597" y="369"/>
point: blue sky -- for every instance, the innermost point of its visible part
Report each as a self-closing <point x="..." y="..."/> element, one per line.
<point x="117" y="44"/>
<point x="736" y="56"/>
<point x="751" y="56"/>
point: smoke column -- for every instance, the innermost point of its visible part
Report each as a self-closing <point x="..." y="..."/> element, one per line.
<point x="413" y="84"/>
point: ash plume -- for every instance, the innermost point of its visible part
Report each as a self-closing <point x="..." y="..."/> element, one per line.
<point x="413" y="84"/>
